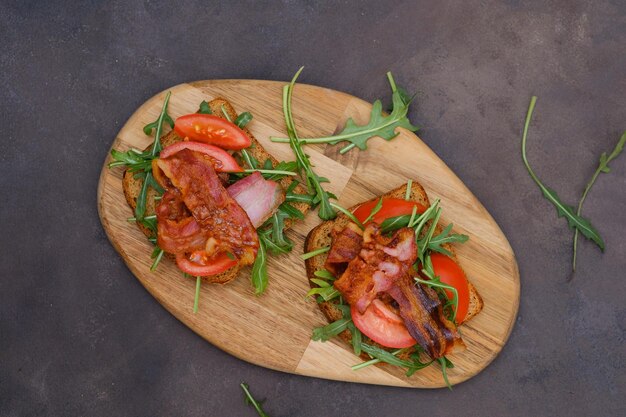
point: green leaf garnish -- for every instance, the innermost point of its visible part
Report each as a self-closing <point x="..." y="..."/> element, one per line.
<point x="140" y="163"/>
<point x="249" y="399"/>
<point x="243" y="119"/>
<point x="325" y="287"/>
<point x="378" y="125"/>
<point x="259" y="276"/>
<point x="204" y="108"/>
<point x="603" y="166"/>
<point x="325" y="333"/>
<point x="315" y="252"/>
<point x="164" y="117"/>
<point x="445" y="365"/>
<point x="375" y="210"/>
<point x="574" y="220"/>
<point x="305" y="168"/>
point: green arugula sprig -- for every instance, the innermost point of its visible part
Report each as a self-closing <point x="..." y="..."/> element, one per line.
<point x="575" y="221"/>
<point x="378" y="125"/>
<point x="204" y="108"/>
<point x="603" y="167"/>
<point x="325" y="290"/>
<point x="249" y="399"/>
<point x="140" y="163"/>
<point x="313" y="181"/>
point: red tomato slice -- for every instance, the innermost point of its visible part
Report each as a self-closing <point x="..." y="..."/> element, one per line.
<point x="392" y="207"/>
<point x="199" y="266"/>
<point x="223" y="161"/>
<point x="212" y="130"/>
<point x="452" y="274"/>
<point x="382" y="325"/>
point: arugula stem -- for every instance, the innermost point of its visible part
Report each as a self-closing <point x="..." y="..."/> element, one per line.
<point x="250" y="400"/>
<point x="349" y="214"/>
<point x="325" y="212"/>
<point x="156" y="147"/>
<point x="392" y="82"/>
<point x="337" y="138"/>
<point x="574" y="220"/>
<point x="270" y="171"/>
<point x="409" y="186"/>
<point x="602" y="167"/>
<point x="346" y="148"/>
<point x="313" y="253"/>
<point x="529" y="115"/>
<point x="196" y="299"/>
<point x="157" y="260"/>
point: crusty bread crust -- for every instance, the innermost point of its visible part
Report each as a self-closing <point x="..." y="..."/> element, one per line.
<point x="132" y="186"/>
<point x="320" y="236"/>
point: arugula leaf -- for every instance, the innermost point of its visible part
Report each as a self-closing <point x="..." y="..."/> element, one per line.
<point x="259" y="276"/>
<point x="243" y="119"/>
<point x="249" y="399"/>
<point x="325" y="288"/>
<point x="394" y="223"/>
<point x="445" y="237"/>
<point x="204" y="108"/>
<point x="164" y="117"/>
<point x="603" y="166"/>
<point x="574" y="220"/>
<point x="357" y="339"/>
<point x="445" y="365"/>
<point x="313" y="181"/>
<point x="378" y="125"/>
<point x="391" y="358"/>
<point x="325" y="333"/>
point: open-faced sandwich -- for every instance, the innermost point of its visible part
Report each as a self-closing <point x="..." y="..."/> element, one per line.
<point x="386" y="277"/>
<point x="195" y="201"/>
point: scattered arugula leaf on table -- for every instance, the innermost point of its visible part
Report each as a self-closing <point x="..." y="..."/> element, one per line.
<point x="603" y="167"/>
<point x="575" y="221"/>
<point x="249" y="399"/>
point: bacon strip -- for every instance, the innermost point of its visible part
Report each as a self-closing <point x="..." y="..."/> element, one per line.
<point x="383" y="268"/>
<point x="214" y="210"/>
<point x="422" y="312"/>
<point x="380" y="263"/>
<point x="257" y="196"/>
<point x="346" y="245"/>
<point x="178" y="231"/>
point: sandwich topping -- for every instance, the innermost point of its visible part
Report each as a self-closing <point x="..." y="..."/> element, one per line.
<point x="378" y="267"/>
<point x="197" y="212"/>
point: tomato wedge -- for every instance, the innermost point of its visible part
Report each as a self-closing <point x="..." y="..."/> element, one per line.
<point x="392" y="207"/>
<point x="450" y="273"/>
<point x="382" y="325"/>
<point x="223" y="161"/>
<point x="199" y="266"/>
<point x="213" y="130"/>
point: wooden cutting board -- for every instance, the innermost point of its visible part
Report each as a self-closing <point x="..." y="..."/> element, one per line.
<point x="274" y="330"/>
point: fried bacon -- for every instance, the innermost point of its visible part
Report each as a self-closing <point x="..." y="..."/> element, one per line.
<point x="346" y="245"/>
<point x="422" y="312"/>
<point x="178" y="230"/>
<point x="383" y="268"/>
<point x="381" y="262"/>
<point x="216" y="213"/>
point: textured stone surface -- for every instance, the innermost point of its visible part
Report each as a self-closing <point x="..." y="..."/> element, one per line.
<point x="80" y="336"/>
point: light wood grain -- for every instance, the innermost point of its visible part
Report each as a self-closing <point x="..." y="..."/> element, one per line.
<point x="274" y="330"/>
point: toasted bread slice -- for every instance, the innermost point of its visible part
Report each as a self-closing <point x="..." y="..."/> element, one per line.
<point x="132" y="186"/>
<point x="321" y="236"/>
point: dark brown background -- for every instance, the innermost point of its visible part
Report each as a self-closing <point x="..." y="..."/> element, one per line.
<point x="80" y="336"/>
